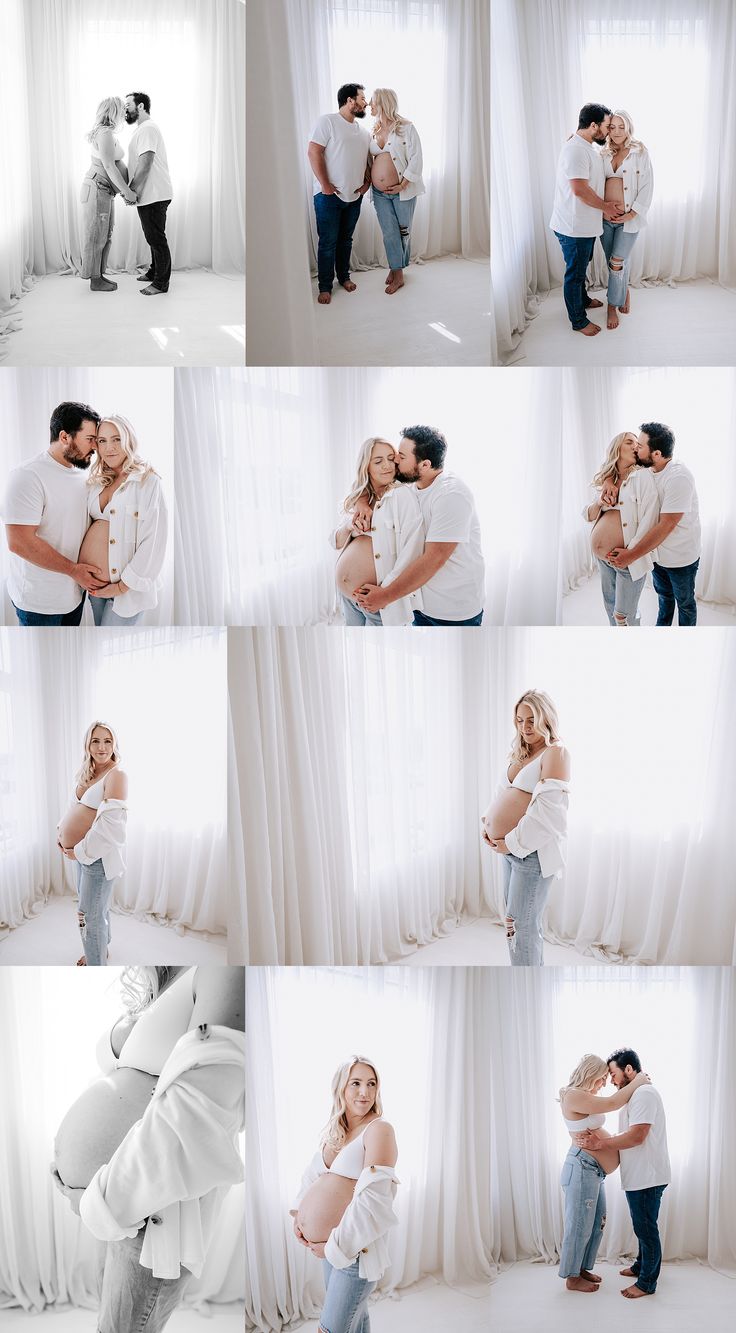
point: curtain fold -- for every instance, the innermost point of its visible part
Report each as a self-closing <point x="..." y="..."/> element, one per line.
<point x="15" y="231"/>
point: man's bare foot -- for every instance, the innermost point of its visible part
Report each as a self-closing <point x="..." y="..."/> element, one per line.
<point x="591" y="1277"/>
<point x="396" y="283"/>
<point x="633" y="1293"/>
<point x="349" y="285"/>
<point x="589" y="330"/>
<point x="625" y="308"/>
<point x="592" y="304"/>
<point x="612" y="320"/>
<point x="324" y="298"/>
<point x="580" y="1284"/>
<point x="626" y="1272"/>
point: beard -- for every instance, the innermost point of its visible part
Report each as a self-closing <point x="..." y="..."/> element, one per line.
<point x="131" y="116"/>
<point x="359" y="115"/>
<point x="407" y="477"/>
<point x="600" y="140"/>
<point x="76" y="460"/>
<point x="644" y="462"/>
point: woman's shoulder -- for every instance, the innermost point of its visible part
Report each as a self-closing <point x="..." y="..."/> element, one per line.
<point x="403" y="497"/>
<point x="556" y="761"/>
<point x="116" y="784"/>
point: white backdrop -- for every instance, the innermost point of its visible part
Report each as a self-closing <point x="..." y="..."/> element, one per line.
<point x="28" y="396"/>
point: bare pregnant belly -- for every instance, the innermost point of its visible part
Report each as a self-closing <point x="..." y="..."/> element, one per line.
<point x="355" y="566"/>
<point x="383" y="171"/>
<point x="75" y="824"/>
<point x="608" y="1158"/>
<point x="323" y="1206"/>
<point x="506" y="811"/>
<point x="607" y="533"/>
<point x="95" y="548"/>
<point x="98" y="1121"/>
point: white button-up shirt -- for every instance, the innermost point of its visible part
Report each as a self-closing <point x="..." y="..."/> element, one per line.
<point x="397" y="537"/>
<point x="543" y="828"/>
<point x="106" y="839"/>
<point x="405" y="148"/>
<point x="638" y="504"/>
<point x="138" y="522"/>
<point x="362" y="1230"/>
<point x="637" y="174"/>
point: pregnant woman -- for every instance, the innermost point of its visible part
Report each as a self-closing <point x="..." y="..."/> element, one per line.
<point x="584" y="1170"/>
<point x="526" y="823"/>
<point x="126" y="539"/>
<point x="147" y="1153"/>
<point x="395" y="539"/>
<point x="625" y="506"/>
<point x="107" y="176"/>
<point x="396" y="178"/>
<point x="630" y="183"/>
<point x="92" y="833"/>
<point x="345" y="1205"/>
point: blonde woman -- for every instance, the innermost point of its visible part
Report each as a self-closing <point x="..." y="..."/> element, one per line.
<point x="345" y="1203"/>
<point x="107" y="176"/>
<point x="396" y="178"/>
<point x="126" y="538"/>
<point x="92" y="833"/>
<point x="584" y="1170"/>
<point x="627" y="163"/>
<point x="526" y="823"/>
<point x="625" y="505"/>
<point x="379" y="553"/>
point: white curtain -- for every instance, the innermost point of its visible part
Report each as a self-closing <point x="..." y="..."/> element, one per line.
<point x="255" y="515"/>
<point x="15" y="218"/>
<point x="677" y="1018"/>
<point x="428" y="1031"/>
<point x="52" y="1020"/>
<point x="552" y="56"/>
<point x="28" y="396"/>
<point x="602" y="401"/>
<point x="164" y="691"/>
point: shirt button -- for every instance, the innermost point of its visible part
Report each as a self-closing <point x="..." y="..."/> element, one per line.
<point x="135" y="514"/>
<point x="112" y="541"/>
<point x="113" y="571"/>
<point x="377" y="555"/>
<point x="112" y="511"/>
<point x="364" y="1251"/>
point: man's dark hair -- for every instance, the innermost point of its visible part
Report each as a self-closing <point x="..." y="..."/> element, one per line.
<point x="593" y="113"/>
<point x="144" y="98"/>
<point x="349" y="90"/>
<point x="660" y="437"/>
<point x="69" y="417"/>
<point x="625" y="1057"/>
<point x="429" y="444"/>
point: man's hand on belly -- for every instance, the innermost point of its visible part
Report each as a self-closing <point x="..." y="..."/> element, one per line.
<point x="619" y="557"/>
<point x="370" y="597"/>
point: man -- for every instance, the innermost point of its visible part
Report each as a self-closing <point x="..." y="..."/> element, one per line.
<point x="338" y="156"/>
<point x="645" y="1167"/>
<point x="579" y="209"/>
<point x="45" y="514"/>
<point x="677" y="534"/>
<point x="451" y="569"/>
<point x="150" y="181"/>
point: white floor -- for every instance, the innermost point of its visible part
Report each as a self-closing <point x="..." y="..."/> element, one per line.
<point x="199" y="322"/>
<point x="224" y="1318"/>
<point x="482" y="943"/>
<point x="432" y="1308"/>
<point x="441" y="317"/>
<point x="584" y="606"/>
<point x="52" y="937"/>
<point x="689" y="1297"/>
<point x="693" y="324"/>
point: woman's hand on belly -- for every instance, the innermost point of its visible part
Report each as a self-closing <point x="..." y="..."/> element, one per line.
<point x="318" y="1249"/>
<point x="73" y="1195"/>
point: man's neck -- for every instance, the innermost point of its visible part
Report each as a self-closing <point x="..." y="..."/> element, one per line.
<point x="347" y="115"/>
<point x="661" y="465"/>
<point x="143" y="116"/>
<point x="587" y="135"/>
<point x="56" y="451"/>
<point x="427" y="478"/>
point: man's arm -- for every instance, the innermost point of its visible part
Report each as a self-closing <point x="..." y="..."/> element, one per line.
<point x="582" y="190"/>
<point x="23" y="541"/>
<point x="142" y="172"/>
<point x="621" y="556"/>
<point x="419" y="572"/>
<point x="316" y="155"/>
<point x="631" y="1139"/>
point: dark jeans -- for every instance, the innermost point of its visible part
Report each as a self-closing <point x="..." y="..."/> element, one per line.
<point x="153" y="222"/>
<point x="336" y="222"/>
<point x="35" y="618"/>
<point x="644" y="1209"/>
<point x="421" y="619"/>
<point x="676" y="587"/>
<point x="577" y="252"/>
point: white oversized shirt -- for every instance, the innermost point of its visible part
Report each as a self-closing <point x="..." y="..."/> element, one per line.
<point x="362" y="1230"/>
<point x="543" y="826"/>
<point x="346" y="153"/>
<point x="578" y="160"/>
<point x="648" y="1164"/>
<point x="678" y="495"/>
<point x="457" y="590"/>
<point x="106" y="839"/>
<point x="637" y="174"/>
<point x="638" y="505"/>
<point x="397" y="537"/>
<point x="52" y="499"/>
<point x="405" y="148"/>
<point x="138" y="521"/>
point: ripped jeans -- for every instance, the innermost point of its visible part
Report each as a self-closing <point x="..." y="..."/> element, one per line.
<point x="132" y="1298"/>
<point x="395" y="217"/>
<point x="526" y="896"/>
<point x="95" y="893"/>
<point x="346" y="1300"/>
<point x="617" y="246"/>
<point x="98" y="220"/>
<point x="582" y="1179"/>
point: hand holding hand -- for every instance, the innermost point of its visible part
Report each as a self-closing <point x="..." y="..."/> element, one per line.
<point x="612" y="212"/>
<point x="609" y="494"/>
<point x="130" y="196"/>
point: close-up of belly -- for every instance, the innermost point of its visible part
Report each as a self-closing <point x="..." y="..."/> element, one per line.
<point x="607" y="534"/>
<point x="355" y="565"/>
<point x="506" y="811"/>
<point x="95" y="548"/>
<point x="323" y="1206"/>
<point x="98" y="1121"/>
<point x="75" y="824"/>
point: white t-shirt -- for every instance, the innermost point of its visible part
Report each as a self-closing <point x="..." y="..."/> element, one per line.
<point x="346" y="153"/>
<point x="456" y="591"/>
<point x="579" y="160"/>
<point x="677" y="495"/>
<point x="649" y="1164"/>
<point x="149" y="139"/>
<point x="51" y="498"/>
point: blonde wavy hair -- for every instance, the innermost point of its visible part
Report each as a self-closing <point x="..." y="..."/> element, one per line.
<point x="335" y="1131"/>
<point x="109" y="115"/>
<point x="610" y="469"/>
<point x="134" y="466"/>
<point x="585" y="1073"/>
<point x="363" y="483"/>
<point x="388" y="117"/>
<point x="87" y="771"/>
<point x="629" y="141"/>
<point x="141" y="986"/>
<point x="545" y="721"/>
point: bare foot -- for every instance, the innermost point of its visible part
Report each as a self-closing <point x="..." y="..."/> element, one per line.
<point x="625" y="308"/>
<point x="633" y="1293"/>
<point x="589" y="330"/>
<point x="324" y="298"/>
<point x="592" y="304"/>
<point x="580" y="1284"/>
<point x="349" y="286"/>
<point x="82" y="962"/>
<point x="626" y="1272"/>
<point x="591" y="1277"/>
<point x="612" y="321"/>
<point x="395" y="285"/>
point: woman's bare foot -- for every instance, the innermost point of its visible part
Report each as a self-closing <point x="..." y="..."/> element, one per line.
<point x="626" y="1272"/>
<point x="396" y="281"/>
<point x="633" y="1293"/>
<point x="591" y="1277"/>
<point x="349" y="285"/>
<point x="580" y="1284"/>
<point x="82" y="962"/>
<point x="324" y="298"/>
<point x="625" y="308"/>
<point x="612" y="320"/>
<point x="589" y="330"/>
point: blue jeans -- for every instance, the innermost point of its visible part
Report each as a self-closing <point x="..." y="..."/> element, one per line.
<point x="644" y="1209"/>
<point x="621" y="594"/>
<point x="132" y="1299"/>
<point x="103" y="610"/>
<point x="676" y="587"/>
<point x="526" y="896"/>
<point x="95" y="893"/>
<point x="336" y="222"/>
<point x="353" y="614"/>
<point x="421" y="619"/>
<point x="346" y="1300"/>
<point x="583" y="1180"/>
<point x="577" y="252"/>
<point x="395" y="215"/>
<point x="35" y="618"/>
<point x="617" y="243"/>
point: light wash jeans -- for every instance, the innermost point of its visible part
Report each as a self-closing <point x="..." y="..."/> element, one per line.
<point x="94" y="900"/>
<point x="621" y="594"/>
<point x="132" y="1298"/>
<point x="582" y="1179"/>
<point x="395" y="217"/>
<point x="526" y="895"/>
<point x="616" y="241"/>
<point x="346" y="1300"/>
<point x="352" y="614"/>
<point x="103" y="610"/>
